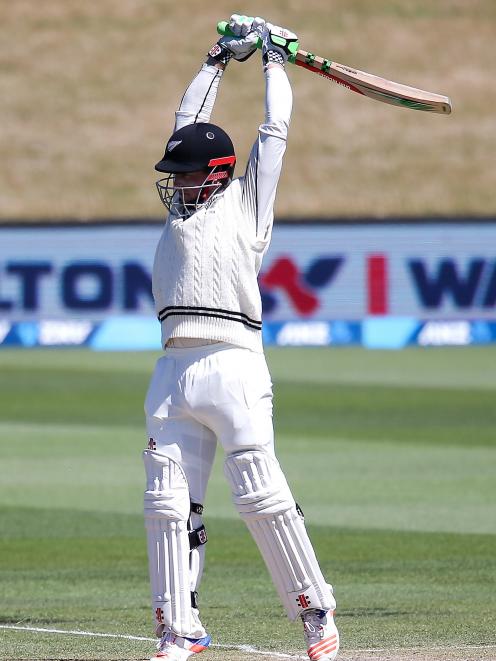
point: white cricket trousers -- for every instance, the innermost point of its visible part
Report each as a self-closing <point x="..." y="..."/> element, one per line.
<point x="200" y="395"/>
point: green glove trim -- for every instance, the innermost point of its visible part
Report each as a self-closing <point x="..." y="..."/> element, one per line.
<point x="279" y="41"/>
<point x="293" y="48"/>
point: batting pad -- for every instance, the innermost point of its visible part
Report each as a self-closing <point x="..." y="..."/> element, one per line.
<point x="263" y="499"/>
<point x="167" y="507"/>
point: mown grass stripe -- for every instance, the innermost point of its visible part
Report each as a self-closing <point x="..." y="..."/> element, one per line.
<point x="249" y="649"/>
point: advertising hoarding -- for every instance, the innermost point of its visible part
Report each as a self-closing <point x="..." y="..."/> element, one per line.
<point x="381" y="284"/>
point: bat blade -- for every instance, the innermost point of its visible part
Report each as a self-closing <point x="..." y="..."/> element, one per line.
<point x="373" y="86"/>
<point x="364" y="83"/>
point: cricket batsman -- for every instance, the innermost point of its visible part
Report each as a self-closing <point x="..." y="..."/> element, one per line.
<point x="212" y="384"/>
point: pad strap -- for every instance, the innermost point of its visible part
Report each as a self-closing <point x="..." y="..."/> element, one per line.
<point x="196" y="508"/>
<point x="197" y="537"/>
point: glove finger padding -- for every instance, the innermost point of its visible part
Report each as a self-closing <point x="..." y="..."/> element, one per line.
<point x="246" y="31"/>
<point x="242" y="42"/>
<point x="241" y="25"/>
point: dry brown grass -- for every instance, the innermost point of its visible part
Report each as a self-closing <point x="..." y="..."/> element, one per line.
<point x="88" y="90"/>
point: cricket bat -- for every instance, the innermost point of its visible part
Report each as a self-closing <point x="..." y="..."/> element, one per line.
<point x="364" y="83"/>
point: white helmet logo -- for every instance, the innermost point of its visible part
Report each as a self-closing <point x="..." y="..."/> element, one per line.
<point x="210" y="135"/>
<point x="173" y="144"/>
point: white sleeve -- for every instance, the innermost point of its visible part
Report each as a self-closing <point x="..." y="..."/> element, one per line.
<point x="198" y="100"/>
<point x="265" y="161"/>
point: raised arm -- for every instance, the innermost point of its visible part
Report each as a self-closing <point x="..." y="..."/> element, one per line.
<point x="266" y="157"/>
<point x="198" y="100"/>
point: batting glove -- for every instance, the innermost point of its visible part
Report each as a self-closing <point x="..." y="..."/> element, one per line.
<point x="246" y="31"/>
<point x="277" y="44"/>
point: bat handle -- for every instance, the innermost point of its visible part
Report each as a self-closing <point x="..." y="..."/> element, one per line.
<point x="223" y="28"/>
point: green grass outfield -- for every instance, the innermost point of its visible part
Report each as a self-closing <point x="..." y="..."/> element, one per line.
<point x="392" y="456"/>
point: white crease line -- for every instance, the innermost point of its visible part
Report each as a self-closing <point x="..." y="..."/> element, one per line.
<point x="242" y="648"/>
<point x="74" y="633"/>
<point x="248" y="648"/>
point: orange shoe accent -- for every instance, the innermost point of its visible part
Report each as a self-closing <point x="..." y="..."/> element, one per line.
<point x="197" y="648"/>
<point x="324" y="647"/>
<point x="315" y="656"/>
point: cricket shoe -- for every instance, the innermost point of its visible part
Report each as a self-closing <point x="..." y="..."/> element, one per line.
<point x="177" y="648"/>
<point x="321" y="635"/>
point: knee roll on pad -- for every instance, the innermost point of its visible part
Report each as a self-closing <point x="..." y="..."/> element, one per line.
<point x="263" y="499"/>
<point x="167" y="491"/>
<point x="167" y="512"/>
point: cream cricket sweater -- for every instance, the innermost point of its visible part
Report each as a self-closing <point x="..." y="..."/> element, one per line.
<point x="206" y="266"/>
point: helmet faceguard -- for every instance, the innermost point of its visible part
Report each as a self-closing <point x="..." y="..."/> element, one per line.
<point x="203" y="148"/>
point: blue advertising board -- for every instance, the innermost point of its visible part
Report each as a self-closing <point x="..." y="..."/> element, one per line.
<point x="376" y="284"/>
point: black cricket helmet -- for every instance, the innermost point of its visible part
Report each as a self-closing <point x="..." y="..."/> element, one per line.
<point x="193" y="148"/>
